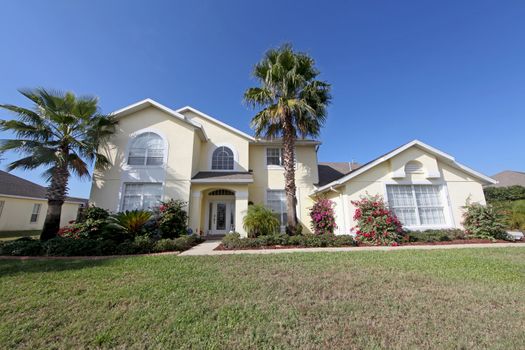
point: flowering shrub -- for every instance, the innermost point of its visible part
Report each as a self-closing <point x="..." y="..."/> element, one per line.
<point x="70" y="231"/>
<point x="483" y="221"/>
<point x="376" y="224"/>
<point x="323" y="218"/>
<point x="173" y="219"/>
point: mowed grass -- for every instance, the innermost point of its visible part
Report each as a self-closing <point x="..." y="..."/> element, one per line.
<point x="465" y="298"/>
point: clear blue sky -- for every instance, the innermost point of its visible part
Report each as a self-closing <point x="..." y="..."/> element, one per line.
<point x="450" y="73"/>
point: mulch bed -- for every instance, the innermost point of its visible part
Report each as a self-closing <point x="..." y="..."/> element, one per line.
<point x="457" y="241"/>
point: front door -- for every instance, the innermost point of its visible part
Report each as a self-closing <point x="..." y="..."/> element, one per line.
<point x="221" y="217"/>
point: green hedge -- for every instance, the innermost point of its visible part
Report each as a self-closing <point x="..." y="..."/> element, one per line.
<point x="434" y="235"/>
<point x="234" y="241"/>
<point x="510" y="193"/>
<point x="90" y="247"/>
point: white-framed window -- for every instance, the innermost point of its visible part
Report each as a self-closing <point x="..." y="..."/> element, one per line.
<point x="36" y="212"/>
<point x="417" y="205"/>
<point x="274" y="156"/>
<point x="276" y="201"/>
<point x="141" y="196"/>
<point x="2" y="203"/>
<point x="146" y="149"/>
<point x="222" y="159"/>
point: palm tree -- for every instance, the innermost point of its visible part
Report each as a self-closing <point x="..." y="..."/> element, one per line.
<point x="61" y="133"/>
<point x="293" y="103"/>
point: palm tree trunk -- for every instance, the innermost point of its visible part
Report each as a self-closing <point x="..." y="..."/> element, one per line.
<point x="289" y="175"/>
<point x="56" y="194"/>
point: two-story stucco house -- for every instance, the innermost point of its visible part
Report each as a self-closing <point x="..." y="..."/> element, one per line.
<point x="159" y="153"/>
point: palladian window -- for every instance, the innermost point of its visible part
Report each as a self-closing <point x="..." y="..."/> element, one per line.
<point x="222" y="159"/>
<point x="146" y="149"/>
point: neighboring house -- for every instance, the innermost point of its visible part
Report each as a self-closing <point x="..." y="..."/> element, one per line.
<point x="509" y="178"/>
<point x="23" y="205"/>
<point x="159" y="153"/>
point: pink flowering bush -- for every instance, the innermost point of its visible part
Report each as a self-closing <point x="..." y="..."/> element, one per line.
<point x="376" y="224"/>
<point x="323" y="218"/>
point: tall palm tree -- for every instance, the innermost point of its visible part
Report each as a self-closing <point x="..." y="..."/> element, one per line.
<point x="62" y="133"/>
<point x="293" y="103"/>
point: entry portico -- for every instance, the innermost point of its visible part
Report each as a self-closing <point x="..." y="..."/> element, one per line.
<point x="219" y="201"/>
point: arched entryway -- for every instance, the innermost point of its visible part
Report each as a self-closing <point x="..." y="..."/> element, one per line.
<point x="220" y="212"/>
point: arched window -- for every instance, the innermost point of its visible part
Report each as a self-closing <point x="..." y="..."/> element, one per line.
<point x="413" y="167"/>
<point x="222" y="159"/>
<point x="221" y="193"/>
<point x="146" y="149"/>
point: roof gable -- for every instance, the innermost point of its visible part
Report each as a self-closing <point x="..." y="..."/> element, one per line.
<point x="148" y="102"/>
<point x="215" y="121"/>
<point x="415" y="143"/>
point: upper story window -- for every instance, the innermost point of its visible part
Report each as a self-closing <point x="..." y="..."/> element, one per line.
<point x="274" y="156"/>
<point x="413" y="167"/>
<point x="146" y="149"/>
<point x="222" y="159"/>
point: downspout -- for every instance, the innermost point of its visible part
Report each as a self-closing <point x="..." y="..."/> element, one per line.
<point x="341" y="200"/>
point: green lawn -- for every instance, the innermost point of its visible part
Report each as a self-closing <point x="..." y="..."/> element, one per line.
<point x="9" y="235"/>
<point x="465" y="298"/>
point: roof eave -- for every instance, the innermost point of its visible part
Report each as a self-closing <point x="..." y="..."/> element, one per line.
<point x="216" y="121"/>
<point x="396" y="151"/>
<point x="148" y="102"/>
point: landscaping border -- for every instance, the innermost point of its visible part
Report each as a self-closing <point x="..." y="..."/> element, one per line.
<point x="84" y="257"/>
<point x="208" y="248"/>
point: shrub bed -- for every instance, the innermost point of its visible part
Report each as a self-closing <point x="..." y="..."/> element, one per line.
<point x="89" y="247"/>
<point x="434" y="235"/>
<point x="234" y="241"/>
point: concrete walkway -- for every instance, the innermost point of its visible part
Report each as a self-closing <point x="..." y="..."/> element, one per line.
<point x="207" y="248"/>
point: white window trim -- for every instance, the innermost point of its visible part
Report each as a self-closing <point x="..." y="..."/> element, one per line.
<point x="273" y="166"/>
<point x="235" y="157"/>
<point x="277" y="167"/>
<point x="136" y="134"/>
<point x="2" y="205"/>
<point x="447" y="209"/>
<point x="283" y="225"/>
<point x="37" y="213"/>
<point x="122" y="191"/>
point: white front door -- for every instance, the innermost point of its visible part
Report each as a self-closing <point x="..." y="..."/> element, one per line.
<point x="221" y="217"/>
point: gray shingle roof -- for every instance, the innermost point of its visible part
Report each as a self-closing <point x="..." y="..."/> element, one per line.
<point x="331" y="171"/>
<point x="12" y="185"/>
<point x="509" y="178"/>
<point x="229" y="176"/>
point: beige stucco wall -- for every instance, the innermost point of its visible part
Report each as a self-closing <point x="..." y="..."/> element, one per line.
<point x="272" y="178"/>
<point x="16" y="214"/>
<point x="459" y="186"/>
<point x="220" y="136"/>
<point x="175" y="174"/>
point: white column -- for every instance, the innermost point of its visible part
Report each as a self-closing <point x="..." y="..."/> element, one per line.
<point x="241" y="207"/>
<point x="195" y="211"/>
